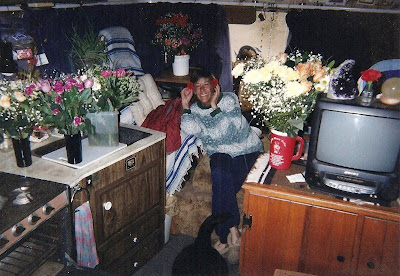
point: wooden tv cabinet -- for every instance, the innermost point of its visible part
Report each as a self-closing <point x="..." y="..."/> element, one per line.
<point x="299" y="229"/>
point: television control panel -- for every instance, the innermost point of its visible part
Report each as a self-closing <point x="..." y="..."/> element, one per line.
<point x="349" y="187"/>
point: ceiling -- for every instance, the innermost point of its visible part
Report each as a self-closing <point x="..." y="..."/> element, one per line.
<point x="371" y="6"/>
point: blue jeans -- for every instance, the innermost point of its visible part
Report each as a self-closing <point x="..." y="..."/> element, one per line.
<point x="228" y="175"/>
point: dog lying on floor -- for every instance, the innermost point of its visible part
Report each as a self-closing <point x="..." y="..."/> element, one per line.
<point x="200" y="258"/>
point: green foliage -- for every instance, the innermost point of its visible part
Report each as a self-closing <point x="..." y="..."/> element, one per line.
<point x="113" y="90"/>
<point x="88" y="48"/>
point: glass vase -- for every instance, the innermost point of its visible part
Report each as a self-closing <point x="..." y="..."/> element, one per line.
<point x="367" y="95"/>
<point x="73" y="145"/>
<point x="22" y="150"/>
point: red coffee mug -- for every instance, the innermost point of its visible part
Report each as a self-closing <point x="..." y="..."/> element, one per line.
<point x="282" y="148"/>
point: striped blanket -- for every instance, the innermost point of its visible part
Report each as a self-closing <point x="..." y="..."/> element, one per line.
<point x="179" y="162"/>
<point x="121" y="50"/>
<point x="262" y="172"/>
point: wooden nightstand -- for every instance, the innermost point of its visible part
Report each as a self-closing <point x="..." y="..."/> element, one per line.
<point x="173" y="84"/>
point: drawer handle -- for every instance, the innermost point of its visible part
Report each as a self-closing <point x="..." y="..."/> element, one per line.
<point x="135" y="264"/>
<point x="341" y="258"/>
<point x="370" y="265"/>
<point x="107" y="206"/>
<point x="135" y="240"/>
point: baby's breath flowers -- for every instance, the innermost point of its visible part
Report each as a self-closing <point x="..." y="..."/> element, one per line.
<point x="112" y="89"/>
<point x="19" y="109"/>
<point x="283" y="90"/>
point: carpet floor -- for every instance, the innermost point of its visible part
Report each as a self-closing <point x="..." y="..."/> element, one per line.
<point x="161" y="264"/>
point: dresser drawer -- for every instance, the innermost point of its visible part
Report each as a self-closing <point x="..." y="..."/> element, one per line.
<point x="130" y="237"/>
<point x="128" y="167"/>
<point x="141" y="254"/>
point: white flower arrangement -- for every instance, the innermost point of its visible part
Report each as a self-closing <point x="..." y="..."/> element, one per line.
<point x="283" y="90"/>
<point x="19" y="109"/>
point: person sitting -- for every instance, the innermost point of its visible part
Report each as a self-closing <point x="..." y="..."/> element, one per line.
<point x="231" y="144"/>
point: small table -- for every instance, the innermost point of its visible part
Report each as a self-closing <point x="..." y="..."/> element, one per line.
<point x="171" y="83"/>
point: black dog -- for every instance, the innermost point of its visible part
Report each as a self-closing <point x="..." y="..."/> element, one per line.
<point x="200" y="258"/>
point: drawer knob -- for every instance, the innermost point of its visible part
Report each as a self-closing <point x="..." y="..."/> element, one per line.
<point x="107" y="206"/>
<point x="135" y="264"/>
<point x="135" y="240"/>
<point x="341" y="258"/>
<point x="370" y="265"/>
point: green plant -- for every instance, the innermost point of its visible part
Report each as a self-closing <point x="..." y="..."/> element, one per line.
<point x="88" y="48"/>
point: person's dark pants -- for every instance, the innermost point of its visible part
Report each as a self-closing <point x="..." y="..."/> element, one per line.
<point x="228" y="175"/>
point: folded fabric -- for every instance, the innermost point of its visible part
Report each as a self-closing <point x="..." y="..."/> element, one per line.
<point x="121" y="50"/>
<point x="84" y="236"/>
<point x="261" y="172"/>
<point x="167" y="118"/>
<point x="180" y="161"/>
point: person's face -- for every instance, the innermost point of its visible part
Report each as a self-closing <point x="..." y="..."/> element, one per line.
<point x="204" y="91"/>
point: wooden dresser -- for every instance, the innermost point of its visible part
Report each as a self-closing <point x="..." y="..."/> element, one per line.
<point x="298" y="229"/>
<point x="127" y="200"/>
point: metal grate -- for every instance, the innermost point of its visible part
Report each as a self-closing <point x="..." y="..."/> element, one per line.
<point x="34" y="250"/>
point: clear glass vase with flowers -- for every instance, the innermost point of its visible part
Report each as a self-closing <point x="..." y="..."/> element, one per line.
<point x="283" y="91"/>
<point x="370" y="76"/>
<point x="19" y="113"/>
<point x="112" y="91"/>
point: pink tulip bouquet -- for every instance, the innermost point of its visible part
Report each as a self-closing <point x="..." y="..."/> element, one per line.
<point x="65" y="102"/>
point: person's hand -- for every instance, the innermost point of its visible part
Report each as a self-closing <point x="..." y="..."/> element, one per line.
<point x="186" y="95"/>
<point x="215" y="97"/>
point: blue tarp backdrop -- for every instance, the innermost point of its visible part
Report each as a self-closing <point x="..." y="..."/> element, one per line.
<point x="52" y="28"/>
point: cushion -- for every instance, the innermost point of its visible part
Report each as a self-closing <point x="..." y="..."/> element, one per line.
<point x="149" y="86"/>
<point x="121" y="50"/>
<point x="145" y="102"/>
<point x="137" y="112"/>
<point x="126" y="116"/>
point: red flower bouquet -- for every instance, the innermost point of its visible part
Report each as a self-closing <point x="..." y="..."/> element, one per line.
<point x="176" y="35"/>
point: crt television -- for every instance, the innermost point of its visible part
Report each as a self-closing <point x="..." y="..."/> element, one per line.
<point x="354" y="150"/>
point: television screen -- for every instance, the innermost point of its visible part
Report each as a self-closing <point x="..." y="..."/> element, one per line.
<point x="358" y="141"/>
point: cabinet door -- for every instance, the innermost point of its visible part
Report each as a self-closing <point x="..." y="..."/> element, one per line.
<point x="379" y="248"/>
<point x="128" y="198"/>
<point x="274" y="240"/>
<point x="328" y="242"/>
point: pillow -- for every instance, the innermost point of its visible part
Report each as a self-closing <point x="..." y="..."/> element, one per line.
<point x="150" y="88"/>
<point x="145" y="102"/>
<point x="121" y="50"/>
<point x="126" y="116"/>
<point x="136" y="109"/>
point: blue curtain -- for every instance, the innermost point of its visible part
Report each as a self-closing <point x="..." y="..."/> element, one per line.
<point x="366" y="38"/>
<point x="52" y="28"/>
